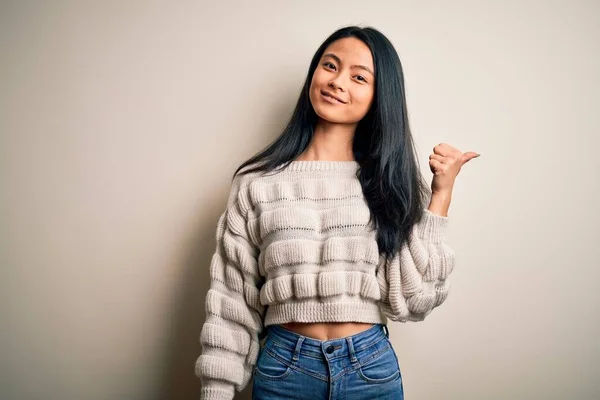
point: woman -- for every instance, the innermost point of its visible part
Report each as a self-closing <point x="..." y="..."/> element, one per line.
<point x="326" y="236"/>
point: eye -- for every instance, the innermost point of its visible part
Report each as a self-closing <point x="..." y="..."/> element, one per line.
<point x="361" y="77"/>
<point x="329" y="64"/>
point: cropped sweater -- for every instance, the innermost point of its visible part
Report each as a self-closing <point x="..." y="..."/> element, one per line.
<point x="295" y="245"/>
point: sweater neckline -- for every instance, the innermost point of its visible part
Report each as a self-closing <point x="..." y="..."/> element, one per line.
<point x="323" y="165"/>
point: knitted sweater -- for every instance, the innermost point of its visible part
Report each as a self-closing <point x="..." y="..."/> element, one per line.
<point x="295" y="245"/>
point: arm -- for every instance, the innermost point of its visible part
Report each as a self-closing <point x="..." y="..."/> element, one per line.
<point x="415" y="281"/>
<point x="440" y="203"/>
<point x="234" y="314"/>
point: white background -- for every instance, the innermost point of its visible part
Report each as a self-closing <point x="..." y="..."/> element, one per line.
<point x="120" y="126"/>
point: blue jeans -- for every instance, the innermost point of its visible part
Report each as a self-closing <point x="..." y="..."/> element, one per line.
<point x="357" y="367"/>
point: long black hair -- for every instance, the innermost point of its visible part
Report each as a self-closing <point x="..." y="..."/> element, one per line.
<point x="392" y="184"/>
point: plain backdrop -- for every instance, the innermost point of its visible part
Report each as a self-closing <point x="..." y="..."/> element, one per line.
<point x="121" y="123"/>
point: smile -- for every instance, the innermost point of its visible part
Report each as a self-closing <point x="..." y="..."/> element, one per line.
<point x="330" y="99"/>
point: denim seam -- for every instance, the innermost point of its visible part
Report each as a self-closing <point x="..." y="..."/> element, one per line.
<point x="312" y="354"/>
<point x="374" y="342"/>
<point x="361" y="363"/>
<point x="390" y="378"/>
<point x="311" y="373"/>
<point x="354" y="367"/>
<point x="280" y="359"/>
<point x="294" y="366"/>
<point x="357" y="350"/>
<point x="378" y="353"/>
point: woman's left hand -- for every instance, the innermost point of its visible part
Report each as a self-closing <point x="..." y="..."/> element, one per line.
<point x="445" y="163"/>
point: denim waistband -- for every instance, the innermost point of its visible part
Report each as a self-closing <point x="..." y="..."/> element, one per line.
<point x="297" y="343"/>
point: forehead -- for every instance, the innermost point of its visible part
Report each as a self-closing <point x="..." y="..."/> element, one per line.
<point x="351" y="51"/>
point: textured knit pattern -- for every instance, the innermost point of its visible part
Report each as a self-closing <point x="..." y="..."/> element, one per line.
<point x="295" y="246"/>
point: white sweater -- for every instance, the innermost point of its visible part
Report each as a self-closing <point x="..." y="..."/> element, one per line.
<point x="295" y="246"/>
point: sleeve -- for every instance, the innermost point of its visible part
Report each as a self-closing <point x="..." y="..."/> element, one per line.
<point x="230" y="335"/>
<point x="415" y="280"/>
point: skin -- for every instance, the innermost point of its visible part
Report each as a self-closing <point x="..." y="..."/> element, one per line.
<point x="333" y="134"/>
<point x="346" y="71"/>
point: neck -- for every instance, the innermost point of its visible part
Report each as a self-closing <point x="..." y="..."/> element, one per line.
<point x="330" y="142"/>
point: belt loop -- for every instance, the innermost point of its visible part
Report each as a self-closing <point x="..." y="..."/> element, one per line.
<point x="298" y="346"/>
<point x="351" y="349"/>
<point x="386" y="330"/>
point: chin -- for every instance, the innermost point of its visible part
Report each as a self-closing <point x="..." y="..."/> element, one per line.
<point x="334" y="114"/>
<point x="330" y="114"/>
<point x="330" y="117"/>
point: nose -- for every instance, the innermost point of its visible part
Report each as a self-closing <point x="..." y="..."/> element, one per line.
<point x="335" y="85"/>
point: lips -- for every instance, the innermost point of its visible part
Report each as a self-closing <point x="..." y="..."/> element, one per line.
<point x="332" y="96"/>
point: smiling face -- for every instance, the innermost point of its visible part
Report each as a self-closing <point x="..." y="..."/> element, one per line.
<point x="343" y="85"/>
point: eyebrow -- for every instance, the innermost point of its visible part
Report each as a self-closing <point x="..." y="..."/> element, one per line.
<point x="336" y="58"/>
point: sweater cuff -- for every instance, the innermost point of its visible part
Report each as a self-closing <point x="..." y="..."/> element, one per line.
<point x="217" y="390"/>
<point x="432" y="227"/>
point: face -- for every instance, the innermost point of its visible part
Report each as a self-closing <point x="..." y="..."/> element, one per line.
<point x="343" y="85"/>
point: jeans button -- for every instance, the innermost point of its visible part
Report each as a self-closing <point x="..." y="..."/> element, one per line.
<point x="329" y="349"/>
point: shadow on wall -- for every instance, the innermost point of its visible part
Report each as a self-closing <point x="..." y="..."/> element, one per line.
<point x="183" y="347"/>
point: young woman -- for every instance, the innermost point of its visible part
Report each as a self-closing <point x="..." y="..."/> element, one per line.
<point x="326" y="236"/>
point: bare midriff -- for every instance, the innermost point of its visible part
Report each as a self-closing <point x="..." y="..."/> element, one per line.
<point x="327" y="330"/>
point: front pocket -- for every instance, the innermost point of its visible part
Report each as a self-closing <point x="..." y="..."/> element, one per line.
<point x="382" y="368"/>
<point x="269" y="366"/>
